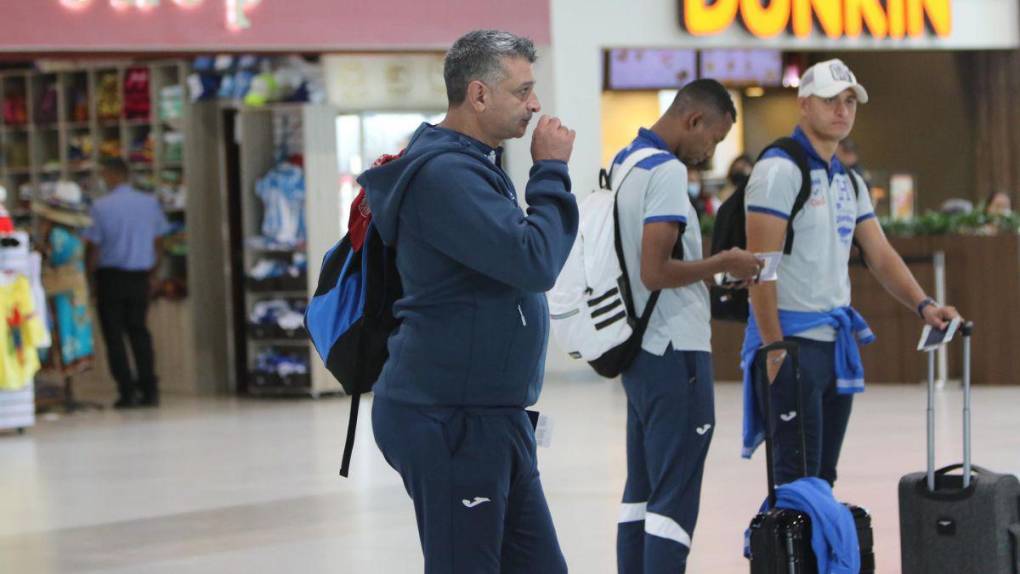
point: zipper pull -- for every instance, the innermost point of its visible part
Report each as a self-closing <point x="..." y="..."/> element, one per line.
<point x="521" y="311"/>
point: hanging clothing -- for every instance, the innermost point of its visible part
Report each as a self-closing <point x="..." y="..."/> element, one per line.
<point x="20" y="333"/>
<point x="282" y="192"/>
<point x="16" y="259"/>
<point x="65" y="283"/>
<point x="34" y="275"/>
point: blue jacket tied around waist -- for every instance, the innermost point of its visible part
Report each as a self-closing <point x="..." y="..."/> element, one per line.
<point x="850" y="329"/>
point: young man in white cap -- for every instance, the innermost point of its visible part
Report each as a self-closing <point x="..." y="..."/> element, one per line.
<point x="810" y="301"/>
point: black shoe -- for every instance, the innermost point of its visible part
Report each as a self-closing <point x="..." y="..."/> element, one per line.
<point x="123" y="403"/>
<point x="150" y="402"/>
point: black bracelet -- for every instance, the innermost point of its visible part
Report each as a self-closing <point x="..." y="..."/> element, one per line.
<point x="926" y="302"/>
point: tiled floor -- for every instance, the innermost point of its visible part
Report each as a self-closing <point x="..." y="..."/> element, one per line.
<point x="222" y="485"/>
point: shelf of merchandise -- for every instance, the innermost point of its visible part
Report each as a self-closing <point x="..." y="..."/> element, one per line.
<point x="37" y="152"/>
<point x="313" y="136"/>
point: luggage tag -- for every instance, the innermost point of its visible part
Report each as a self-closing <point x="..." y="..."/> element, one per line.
<point x="543" y="425"/>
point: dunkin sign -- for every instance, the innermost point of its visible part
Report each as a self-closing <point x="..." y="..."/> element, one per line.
<point x="880" y="19"/>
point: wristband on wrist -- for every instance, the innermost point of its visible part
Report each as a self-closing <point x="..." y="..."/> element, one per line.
<point x="927" y="301"/>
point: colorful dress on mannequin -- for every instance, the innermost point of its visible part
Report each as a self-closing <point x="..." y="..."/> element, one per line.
<point x="64" y="277"/>
<point x="70" y="304"/>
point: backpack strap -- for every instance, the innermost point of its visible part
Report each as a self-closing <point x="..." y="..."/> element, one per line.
<point x="796" y="152"/>
<point x="653" y="298"/>
<point x="616" y="178"/>
<point x="625" y="169"/>
<point x="352" y="425"/>
<point x="852" y="174"/>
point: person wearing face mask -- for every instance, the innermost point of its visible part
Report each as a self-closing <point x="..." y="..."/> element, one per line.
<point x="736" y="176"/>
<point x="669" y="386"/>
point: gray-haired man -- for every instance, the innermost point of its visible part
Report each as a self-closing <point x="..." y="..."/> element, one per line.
<point x="469" y="354"/>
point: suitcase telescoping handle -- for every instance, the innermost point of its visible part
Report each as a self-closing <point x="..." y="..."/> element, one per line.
<point x="966" y="331"/>
<point x="764" y="390"/>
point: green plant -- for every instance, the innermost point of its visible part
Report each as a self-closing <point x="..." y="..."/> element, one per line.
<point x="934" y="223"/>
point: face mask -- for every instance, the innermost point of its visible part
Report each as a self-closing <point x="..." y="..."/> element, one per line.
<point x="739" y="179"/>
<point x="694" y="189"/>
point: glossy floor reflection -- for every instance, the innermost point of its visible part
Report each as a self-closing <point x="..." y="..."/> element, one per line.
<point x="220" y="485"/>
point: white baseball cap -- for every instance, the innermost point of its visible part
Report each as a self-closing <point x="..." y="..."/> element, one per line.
<point x="828" y="79"/>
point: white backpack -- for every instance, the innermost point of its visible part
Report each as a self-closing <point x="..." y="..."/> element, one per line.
<point x="590" y="307"/>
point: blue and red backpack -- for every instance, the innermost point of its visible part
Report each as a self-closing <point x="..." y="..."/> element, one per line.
<point x="350" y="316"/>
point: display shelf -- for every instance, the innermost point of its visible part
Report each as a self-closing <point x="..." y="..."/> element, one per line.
<point x="66" y="142"/>
<point x="280" y="341"/>
<point x="268" y="135"/>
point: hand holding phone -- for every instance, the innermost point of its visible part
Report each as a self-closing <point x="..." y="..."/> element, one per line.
<point x="933" y="338"/>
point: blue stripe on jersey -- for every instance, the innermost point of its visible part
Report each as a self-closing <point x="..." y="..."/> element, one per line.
<point x="655" y="161"/>
<point x="767" y="211"/>
<point x="662" y="218"/>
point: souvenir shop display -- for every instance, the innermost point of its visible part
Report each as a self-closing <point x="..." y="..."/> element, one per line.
<point x="17" y="154"/>
<point x="15" y="109"/>
<point x="277" y="367"/>
<point x="288" y="193"/>
<point x="80" y="148"/>
<point x="137" y="101"/>
<point x="279" y="271"/>
<point x="22" y="306"/>
<point x="173" y="147"/>
<point x="282" y="192"/>
<point x="46" y="111"/>
<point x="108" y="97"/>
<point x="171" y="191"/>
<point x="142" y="149"/>
<point x="63" y="214"/>
<point x="257" y="81"/>
<point x="60" y="120"/>
<point x="79" y="98"/>
<point x="171" y="103"/>
<point x="277" y="319"/>
<point x="110" y="148"/>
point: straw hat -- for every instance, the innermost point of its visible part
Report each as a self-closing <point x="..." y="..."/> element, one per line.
<point x="65" y="206"/>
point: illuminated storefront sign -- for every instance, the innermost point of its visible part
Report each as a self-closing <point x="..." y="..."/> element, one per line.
<point x="236" y="10"/>
<point x="879" y="19"/>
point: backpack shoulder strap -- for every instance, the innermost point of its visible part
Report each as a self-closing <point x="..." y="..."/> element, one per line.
<point x="352" y="425"/>
<point x="618" y="175"/>
<point x="616" y="179"/>
<point x="852" y="174"/>
<point x="796" y="152"/>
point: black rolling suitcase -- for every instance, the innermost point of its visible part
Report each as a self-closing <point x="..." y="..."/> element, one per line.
<point x="780" y="538"/>
<point x="959" y="524"/>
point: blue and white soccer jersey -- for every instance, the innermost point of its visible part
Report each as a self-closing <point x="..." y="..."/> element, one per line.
<point x="656" y="191"/>
<point x="815" y="276"/>
<point x="670" y="398"/>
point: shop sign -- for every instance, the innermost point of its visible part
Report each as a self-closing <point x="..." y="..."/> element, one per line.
<point x="236" y="10"/>
<point x="837" y="19"/>
<point x="385" y="82"/>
